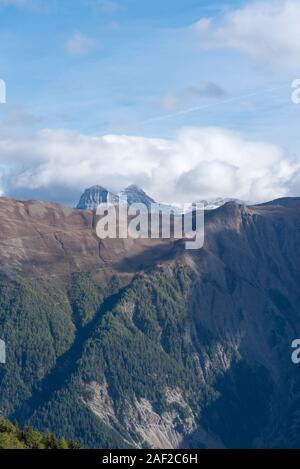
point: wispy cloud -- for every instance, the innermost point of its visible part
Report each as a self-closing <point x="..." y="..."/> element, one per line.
<point x="266" y="30"/>
<point x="192" y="95"/>
<point x="79" y="44"/>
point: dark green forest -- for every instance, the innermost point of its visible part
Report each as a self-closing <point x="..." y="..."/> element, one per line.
<point x="131" y="336"/>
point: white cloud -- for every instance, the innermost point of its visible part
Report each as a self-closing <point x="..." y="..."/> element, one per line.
<point x="79" y="44"/>
<point x="198" y="163"/>
<point x="267" y="30"/>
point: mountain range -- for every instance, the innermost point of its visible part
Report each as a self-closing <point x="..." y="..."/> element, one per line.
<point x="141" y="343"/>
<point x="96" y="195"/>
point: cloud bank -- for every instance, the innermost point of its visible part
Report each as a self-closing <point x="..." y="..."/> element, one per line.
<point x="198" y="163"/>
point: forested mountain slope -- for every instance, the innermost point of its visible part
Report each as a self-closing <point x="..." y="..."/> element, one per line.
<point x="141" y="343"/>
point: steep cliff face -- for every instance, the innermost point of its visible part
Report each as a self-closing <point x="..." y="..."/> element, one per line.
<point x="142" y="343"/>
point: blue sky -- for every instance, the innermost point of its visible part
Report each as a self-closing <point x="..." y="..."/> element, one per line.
<point x="142" y="68"/>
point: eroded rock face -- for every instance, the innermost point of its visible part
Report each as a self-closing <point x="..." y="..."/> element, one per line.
<point x="165" y="430"/>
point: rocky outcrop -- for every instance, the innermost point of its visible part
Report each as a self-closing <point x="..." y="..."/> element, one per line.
<point x="165" y="430"/>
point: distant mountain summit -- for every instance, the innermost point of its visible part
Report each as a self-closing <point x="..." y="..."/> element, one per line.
<point x="136" y="194"/>
<point x="213" y="204"/>
<point x="94" y="196"/>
